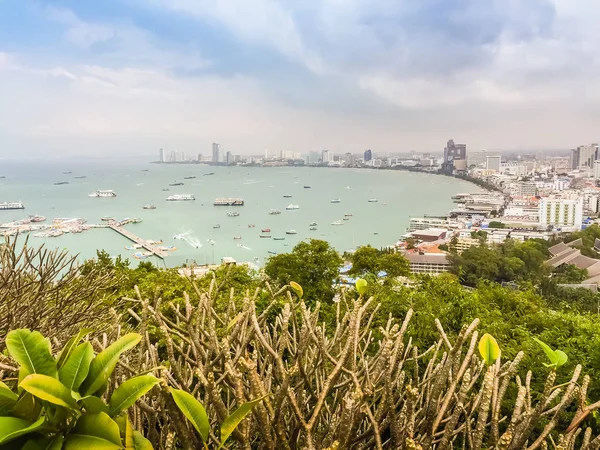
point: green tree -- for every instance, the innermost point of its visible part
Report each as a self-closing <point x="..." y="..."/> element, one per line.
<point x="496" y="224"/>
<point x="314" y="265"/>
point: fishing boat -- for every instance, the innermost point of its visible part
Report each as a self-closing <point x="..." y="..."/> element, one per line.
<point x="287" y="196"/>
<point x="372" y="200"/>
<point x="336" y="200"/>
<point x="337" y="222"/>
<point x="280" y="238"/>
<point x="233" y="214"/>
<point x="274" y="212"/>
<point x="265" y="236"/>
<point x="313" y="224"/>
<point x="291" y="232"/>
<point x="237" y="237"/>
<point x="149" y="206"/>
<point x="176" y="184"/>
<point x="265" y="230"/>
<point x="292" y="207"/>
<point x="67" y="173"/>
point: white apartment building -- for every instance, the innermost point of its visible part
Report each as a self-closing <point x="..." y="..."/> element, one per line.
<point x="597" y="169"/>
<point x="423" y="223"/>
<point x="565" y="213"/>
<point x="493" y="163"/>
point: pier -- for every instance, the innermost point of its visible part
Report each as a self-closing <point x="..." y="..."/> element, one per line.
<point x="138" y="240"/>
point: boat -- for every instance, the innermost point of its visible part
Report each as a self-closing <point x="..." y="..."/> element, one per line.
<point x="67" y="173"/>
<point x="176" y="184"/>
<point x="149" y="206"/>
<point x="59" y="183"/>
<point x="274" y="212"/>
<point x="251" y="225"/>
<point x="372" y="200"/>
<point x="281" y="238"/>
<point x="166" y="189"/>
<point x="167" y="248"/>
<point x="103" y="193"/>
<point x="287" y="196"/>
<point x="180" y="198"/>
<point x="265" y="236"/>
<point x="108" y="219"/>
<point x="80" y="177"/>
<point x="313" y="224"/>
<point x="291" y="232"/>
<point x="313" y="228"/>
<point x="271" y="252"/>
<point x="346" y="218"/>
<point x="348" y="215"/>
<point x="337" y="222"/>
<point x="233" y="214"/>
<point x="189" y="178"/>
<point x="347" y="187"/>
<point x="336" y="200"/>
<point x="229" y="202"/>
<point x="291" y="207"/>
<point x="265" y="230"/>
<point x="11" y="205"/>
<point x="210" y="173"/>
<point x="306" y="187"/>
<point x="217" y="226"/>
<point x="36" y="218"/>
<point x="237" y="237"/>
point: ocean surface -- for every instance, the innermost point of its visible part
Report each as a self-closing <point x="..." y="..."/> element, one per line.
<point x="400" y="195"/>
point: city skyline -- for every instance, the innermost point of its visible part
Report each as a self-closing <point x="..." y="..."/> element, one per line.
<point x="120" y="78"/>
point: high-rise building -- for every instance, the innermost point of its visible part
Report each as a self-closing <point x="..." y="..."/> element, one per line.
<point x="584" y="156"/>
<point x="597" y="169"/>
<point x="313" y="157"/>
<point x="493" y="163"/>
<point x="368" y="155"/>
<point x="561" y="212"/>
<point x="349" y="159"/>
<point x="326" y="156"/>
<point x="453" y="152"/>
<point x="161" y="155"/>
<point x="229" y="158"/>
<point x="199" y="157"/>
<point x="216" y="153"/>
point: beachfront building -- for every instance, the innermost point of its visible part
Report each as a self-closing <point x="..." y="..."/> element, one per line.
<point x="564" y="213"/>
<point x="429" y="263"/>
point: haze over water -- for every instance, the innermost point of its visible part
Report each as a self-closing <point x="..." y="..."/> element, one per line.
<point x="400" y="195"/>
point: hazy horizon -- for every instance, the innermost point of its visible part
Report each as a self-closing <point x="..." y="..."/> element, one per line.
<point x="123" y="78"/>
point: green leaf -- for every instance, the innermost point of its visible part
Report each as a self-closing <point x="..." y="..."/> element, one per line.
<point x="99" y="425"/>
<point x="105" y="362"/>
<point x="32" y="351"/>
<point x="361" y="286"/>
<point x="27" y="407"/>
<point x="13" y="427"/>
<point x="134" y="440"/>
<point x="48" y="389"/>
<point x="70" y="346"/>
<point x="76" y="367"/>
<point x="79" y="442"/>
<point x="193" y="410"/>
<point x="129" y="391"/>
<point x="8" y="398"/>
<point x="54" y="443"/>
<point x="552" y="356"/>
<point x="93" y="404"/>
<point x="297" y="289"/>
<point x="561" y="358"/>
<point x="489" y="349"/>
<point x="231" y="422"/>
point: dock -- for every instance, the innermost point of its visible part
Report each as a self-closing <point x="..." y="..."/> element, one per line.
<point x="138" y="240"/>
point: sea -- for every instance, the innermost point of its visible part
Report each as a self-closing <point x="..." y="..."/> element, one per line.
<point x="191" y="226"/>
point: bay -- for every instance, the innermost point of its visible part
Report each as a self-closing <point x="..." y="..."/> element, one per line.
<point x="400" y="195"/>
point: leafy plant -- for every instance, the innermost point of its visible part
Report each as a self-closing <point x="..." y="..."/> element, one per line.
<point x="557" y="357"/>
<point x="489" y="349"/>
<point x="58" y="402"/>
<point x="193" y="410"/>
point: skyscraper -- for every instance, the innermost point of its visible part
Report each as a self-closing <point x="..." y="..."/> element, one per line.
<point x="229" y="158"/>
<point x="216" y="153"/>
<point x="326" y="156"/>
<point x="368" y="156"/>
<point x="161" y="155"/>
<point x="493" y="163"/>
<point x="586" y="155"/>
<point x="453" y="152"/>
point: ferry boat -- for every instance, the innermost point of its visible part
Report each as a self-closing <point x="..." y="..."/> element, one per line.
<point x="265" y="230"/>
<point x="11" y="205"/>
<point x="372" y="200"/>
<point x="180" y="198"/>
<point x="103" y="193"/>
<point x="149" y="206"/>
<point x="229" y="202"/>
<point x="291" y="232"/>
<point x="287" y="196"/>
<point x="291" y="207"/>
<point x="274" y="212"/>
<point x="233" y="214"/>
<point x="336" y="200"/>
<point x="176" y="184"/>
<point x="59" y="183"/>
<point x="337" y="222"/>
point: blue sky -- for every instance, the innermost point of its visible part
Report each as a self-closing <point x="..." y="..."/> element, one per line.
<point x="129" y="76"/>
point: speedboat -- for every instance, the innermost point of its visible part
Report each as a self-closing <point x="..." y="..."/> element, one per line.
<point x="337" y="222"/>
<point x="233" y="214"/>
<point x="336" y="200"/>
<point x="292" y="207"/>
<point x="287" y="196"/>
<point x="372" y="200"/>
<point x="274" y="212"/>
<point x="149" y="207"/>
<point x="291" y="232"/>
<point x="266" y="230"/>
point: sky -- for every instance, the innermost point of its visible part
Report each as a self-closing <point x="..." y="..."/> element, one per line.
<point x="125" y="77"/>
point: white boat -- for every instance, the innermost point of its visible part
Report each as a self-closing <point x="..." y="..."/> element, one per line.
<point x="180" y="198"/>
<point x="336" y="200"/>
<point x="372" y="200"/>
<point x="274" y="212"/>
<point x="11" y="205"/>
<point x="337" y="222"/>
<point x="103" y="193"/>
<point x="233" y="214"/>
<point x="313" y="224"/>
<point x="292" y="207"/>
<point x="149" y="207"/>
<point x="291" y="232"/>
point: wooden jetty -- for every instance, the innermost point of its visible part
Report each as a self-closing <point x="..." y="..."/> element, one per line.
<point x="138" y="240"/>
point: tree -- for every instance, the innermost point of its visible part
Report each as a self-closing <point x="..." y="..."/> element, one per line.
<point x="314" y="265"/>
<point x="411" y="243"/>
<point x="368" y="260"/>
<point x="496" y="224"/>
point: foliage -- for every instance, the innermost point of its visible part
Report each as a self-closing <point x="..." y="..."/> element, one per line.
<point x="314" y="265"/>
<point x="58" y="400"/>
<point x="368" y="260"/>
<point x="496" y="224"/>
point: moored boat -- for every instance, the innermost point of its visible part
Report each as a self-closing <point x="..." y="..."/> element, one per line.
<point x="291" y="232"/>
<point x="291" y="207"/>
<point x="233" y="214"/>
<point x="372" y="200"/>
<point x="274" y="212"/>
<point x="180" y="198"/>
<point x="280" y="238"/>
<point x="149" y="207"/>
<point x="265" y="230"/>
<point x="337" y="222"/>
<point x="105" y="193"/>
<point x="336" y="200"/>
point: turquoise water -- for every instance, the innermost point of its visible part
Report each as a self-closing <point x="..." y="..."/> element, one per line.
<point x="400" y="195"/>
